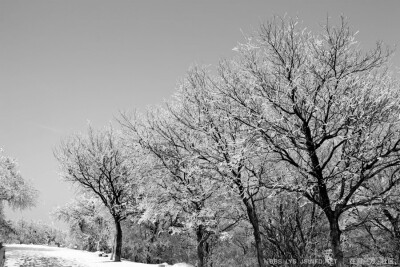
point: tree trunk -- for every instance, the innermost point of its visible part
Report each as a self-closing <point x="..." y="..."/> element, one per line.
<point x="118" y="240"/>
<point x="153" y="234"/>
<point x="395" y="222"/>
<point x="113" y="250"/>
<point x="335" y="240"/>
<point x="201" y="239"/>
<point x="251" y="212"/>
<point x="256" y="231"/>
<point x="98" y="245"/>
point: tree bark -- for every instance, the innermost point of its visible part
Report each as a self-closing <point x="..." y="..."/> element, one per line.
<point x="118" y="240"/>
<point x="332" y="215"/>
<point x="113" y="250"/>
<point x="251" y="212"/>
<point x="201" y="240"/>
<point x="335" y="234"/>
<point x="256" y="231"/>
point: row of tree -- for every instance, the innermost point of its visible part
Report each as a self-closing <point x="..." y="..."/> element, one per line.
<point x="31" y="232"/>
<point x="287" y="151"/>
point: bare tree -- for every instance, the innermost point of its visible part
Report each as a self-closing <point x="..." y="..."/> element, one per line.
<point x="99" y="163"/>
<point x="328" y="112"/>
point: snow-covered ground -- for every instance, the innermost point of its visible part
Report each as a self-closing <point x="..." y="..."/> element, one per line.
<point x="36" y="255"/>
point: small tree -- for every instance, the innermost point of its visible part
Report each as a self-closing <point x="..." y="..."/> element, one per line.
<point x="377" y="226"/>
<point x="99" y="163"/>
<point x="14" y="190"/>
<point x="88" y="220"/>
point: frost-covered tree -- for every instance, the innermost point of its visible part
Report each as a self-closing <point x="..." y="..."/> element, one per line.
<point x="326" y="111"/>
<point x="227" y="146"/>
<point x="15" y="191"/>
<point x="180" y="185"/>
<point x="99" y="163"/>
<point x="90" y="225"/>
<point x="36" y="232"/>
<point x="376" y="227"/>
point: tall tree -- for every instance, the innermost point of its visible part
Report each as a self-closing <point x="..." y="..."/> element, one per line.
<point x="328" y="112"/>
<point x="99" y="163"/>
<point x="181" y="184"/>
<point x="228" y="146"/>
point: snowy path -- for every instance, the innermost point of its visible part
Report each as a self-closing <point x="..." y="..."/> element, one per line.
<point x="44" y="256"/>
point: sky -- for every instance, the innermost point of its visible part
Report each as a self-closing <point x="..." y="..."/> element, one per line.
<point x="64" y="63"/>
